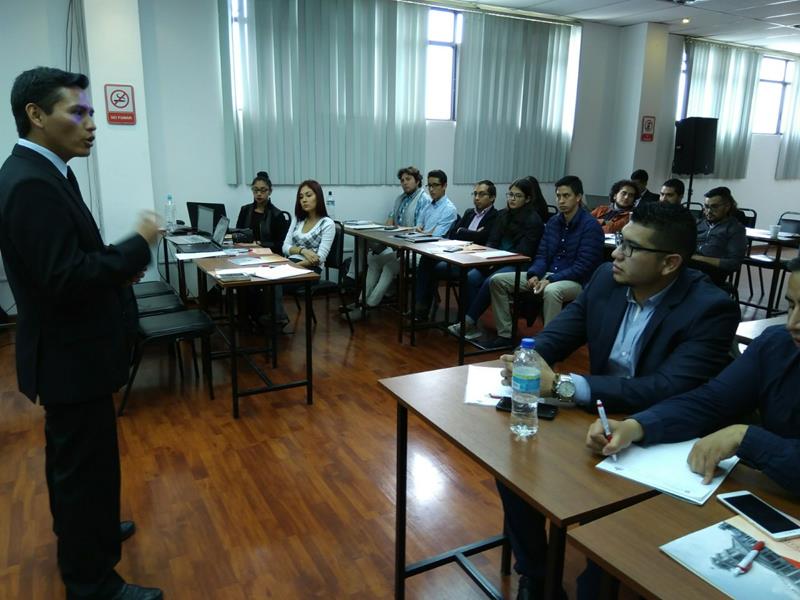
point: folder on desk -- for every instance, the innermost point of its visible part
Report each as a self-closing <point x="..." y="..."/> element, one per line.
<point x="664" y="467"/>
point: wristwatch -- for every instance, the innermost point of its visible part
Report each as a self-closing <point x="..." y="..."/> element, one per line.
<point x="564" y="389"/>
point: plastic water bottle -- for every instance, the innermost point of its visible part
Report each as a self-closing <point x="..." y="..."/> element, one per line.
<point x="169" y="213"/>
<point x="525" y="379"/>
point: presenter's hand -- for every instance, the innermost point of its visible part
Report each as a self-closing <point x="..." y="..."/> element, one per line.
<point x="710" y="450"/>
<point x="623" y="434"/>
<point x="148" y="226"/>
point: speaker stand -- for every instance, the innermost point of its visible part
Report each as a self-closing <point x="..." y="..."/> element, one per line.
<point x="689" y="195"/>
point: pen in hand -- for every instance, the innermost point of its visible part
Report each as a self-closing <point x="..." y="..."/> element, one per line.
<point x="604" y="421"/>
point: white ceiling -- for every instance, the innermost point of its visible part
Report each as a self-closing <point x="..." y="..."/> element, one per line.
<point x="773" y="24"/>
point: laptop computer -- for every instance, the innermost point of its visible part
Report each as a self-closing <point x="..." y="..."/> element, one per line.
<point x="214" y="244"/>
<point x="217" y="209"/>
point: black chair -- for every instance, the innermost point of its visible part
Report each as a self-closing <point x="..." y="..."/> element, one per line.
<point x="157" y="305"/>
<point x="748" y="218"/>
<point x="552" y="211"/>
<point x="696" y="209"/>
<point x="146" y="289"/>
<point x="172" y="328"/>
<point x="327" y="285"/>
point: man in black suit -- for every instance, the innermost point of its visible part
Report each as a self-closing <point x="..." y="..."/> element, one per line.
<point x="640" y="178"/>
<point x="475" y="226"/>
<point x="75" y="315"/>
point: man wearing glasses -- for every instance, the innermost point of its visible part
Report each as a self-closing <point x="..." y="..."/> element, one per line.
<point x="438" y="215"/>
<point x="474" y="226"/>
<point x="721" y="238"/>
<point x="654" y="329"/>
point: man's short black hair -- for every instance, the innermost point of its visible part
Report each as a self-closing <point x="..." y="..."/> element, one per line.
<point x="490" y="187"/>
<point x="40" y="86"/>
<point x="440" y="175"/>
<point x="726" y="195"/>
<point x="640" y="175"/>
<point x="413" y="171"/>
<point x="675" y="184"/>
<point x="572" y="182"/>
<point x="673" y="226"/>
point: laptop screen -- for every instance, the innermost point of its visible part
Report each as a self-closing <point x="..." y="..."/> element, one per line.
<point x="221" y="230"/>
<point x="205" y="219"/>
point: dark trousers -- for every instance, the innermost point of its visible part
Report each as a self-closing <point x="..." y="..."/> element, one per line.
<point x="525" y="527"/>
<point x="83" y="482"/>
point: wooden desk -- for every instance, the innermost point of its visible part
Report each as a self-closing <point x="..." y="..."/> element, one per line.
<point x="747" y="331"/>
<point x="209" y="266"/>
<point x="553" y="471"/>
<point x="626" y="544"/>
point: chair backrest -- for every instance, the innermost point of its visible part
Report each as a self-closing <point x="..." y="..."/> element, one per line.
<point x="696" y="209"/>
<point x="747" y="217"/>
<point x="552" y="211"/>
<point x="790" y="222"/>
<point x="454" y="227"/>
<point x="336" y="254"/>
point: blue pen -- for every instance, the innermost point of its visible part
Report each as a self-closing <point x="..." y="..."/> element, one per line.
<point x="604" y="421"/>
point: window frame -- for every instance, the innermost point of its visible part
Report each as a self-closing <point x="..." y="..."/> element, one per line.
<point x="784" y="86"/>
<point x="454" y="45"/>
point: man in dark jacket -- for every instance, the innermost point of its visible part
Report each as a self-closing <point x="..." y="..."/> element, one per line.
<point x="474" y="226"/>
<point x="654" y="328"/>
<point x="569" y="252"/>
<point x="72" y="293"/>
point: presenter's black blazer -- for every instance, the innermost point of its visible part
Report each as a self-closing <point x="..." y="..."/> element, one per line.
<point x="74" y="304"/>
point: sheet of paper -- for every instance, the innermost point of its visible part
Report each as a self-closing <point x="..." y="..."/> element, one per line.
<point x="483" y="385"/>
<point x="195" y="255"/>
<point x="249" y="260"/>
<point x="182" y="240"/>
<point x="365" y="226"/>
<point x="246" y="271"/>
<point x="279" y="272"/>
<point x="664" y="467"/>
<point x="492" y="253"/>
<point x="261" y="251"/>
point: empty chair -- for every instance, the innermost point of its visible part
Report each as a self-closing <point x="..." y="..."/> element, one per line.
<point x="146" y="289"/>
<point x="172" y="328"/>
<point x="156" y="305"/>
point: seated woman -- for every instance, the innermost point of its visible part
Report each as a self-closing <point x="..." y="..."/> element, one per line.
<point x="517" y="229"/>
<point x="616" y="214"/>
<point x="262" y="217"/>
<point x="312" y="231"/>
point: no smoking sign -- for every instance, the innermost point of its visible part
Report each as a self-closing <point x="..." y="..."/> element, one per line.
<point x="120" y="109"/>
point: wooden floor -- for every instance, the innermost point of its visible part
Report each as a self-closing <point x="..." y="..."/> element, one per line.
<point x="290" y="501"/>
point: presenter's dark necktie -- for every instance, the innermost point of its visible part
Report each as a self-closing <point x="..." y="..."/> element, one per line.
<point x="81" y="204"/>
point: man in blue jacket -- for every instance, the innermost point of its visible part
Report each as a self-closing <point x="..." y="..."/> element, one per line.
<point x="766" y="378"/>
<point x="570" y="251"/>
<point x="654" y="329"/>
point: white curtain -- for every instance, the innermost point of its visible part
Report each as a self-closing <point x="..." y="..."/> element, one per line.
<point x="722" y="84"/>
<point x="332" y="89"/>
<point x="513" y="117"/>
<point x="789" y="152"/>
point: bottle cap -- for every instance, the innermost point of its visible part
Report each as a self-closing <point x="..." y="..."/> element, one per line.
<point x="528" y="343"/>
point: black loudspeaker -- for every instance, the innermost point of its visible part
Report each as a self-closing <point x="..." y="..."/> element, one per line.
<point x="695" y="146"/>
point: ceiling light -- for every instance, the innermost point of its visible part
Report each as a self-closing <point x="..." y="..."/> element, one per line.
<point x="685" y="20"/>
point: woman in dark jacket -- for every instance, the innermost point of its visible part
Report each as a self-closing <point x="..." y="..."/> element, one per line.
<point x="518" y="228"/>
<point x="267" y="222"/>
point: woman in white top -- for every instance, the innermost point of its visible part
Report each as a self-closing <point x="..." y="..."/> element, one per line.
<point x="312" y="231"/>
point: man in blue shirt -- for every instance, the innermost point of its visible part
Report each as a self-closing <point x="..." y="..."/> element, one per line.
<point x="569" y="252"/>
<point x="766" y="379"/>
<point x="437" y="216"/>
<point x="654" y="329"/>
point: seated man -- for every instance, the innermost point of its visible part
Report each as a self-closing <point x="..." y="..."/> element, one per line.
<point x="570" y="251"/>
<point x="382" y="262"/>
<point x="640" y="178"/>
<point x="721" y="238"/>
<point x="672" y="191"/>
<point x="615" y="215"/>
<point x="766" y="379"/>
<point x="437" y="216"/>
<point x="474" y="226"/>
<point x="654" y="329"/>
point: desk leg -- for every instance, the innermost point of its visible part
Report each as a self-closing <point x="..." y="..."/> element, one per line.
<point x="273" y="310"/>
<point x="556" y="543"/>
<point x="202" y="292"/>
<point x="400" y="504"/>
<point x="362" y="248"/>
<point x="773" y="284"/>
<point x="182" y="280"/>
<point x="309" y="369"/>
<point x="462" y="311"/>
<point x="229" y="297"/>
<point x="401" y="292"/>
<point x="412" y="303"/>
<point x="515" y="315"/>
<point x="166" y="258"/>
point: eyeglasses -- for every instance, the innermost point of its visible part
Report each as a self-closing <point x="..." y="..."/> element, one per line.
<point x="479" y="194"/>
<point x="512" y="195"/>
<point x="260" y="190"/>
<point x="627" y="248"/>
<point x="712" y="206"/>
<point x="433" y="186"/>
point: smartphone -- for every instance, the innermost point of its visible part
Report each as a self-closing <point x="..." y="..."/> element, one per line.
<point x="453" y="249"/>
<point x="778" y="525"/>
<point x="545" y="411"/>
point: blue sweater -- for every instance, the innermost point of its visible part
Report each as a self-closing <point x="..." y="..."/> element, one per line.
<point x="570" y="251"/>
<point x="766" y="377"/>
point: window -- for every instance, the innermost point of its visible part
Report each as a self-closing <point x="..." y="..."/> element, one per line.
<point x="680" y="109"/>
<point x="774" y="78"/>
<point x="444" y="36"/>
